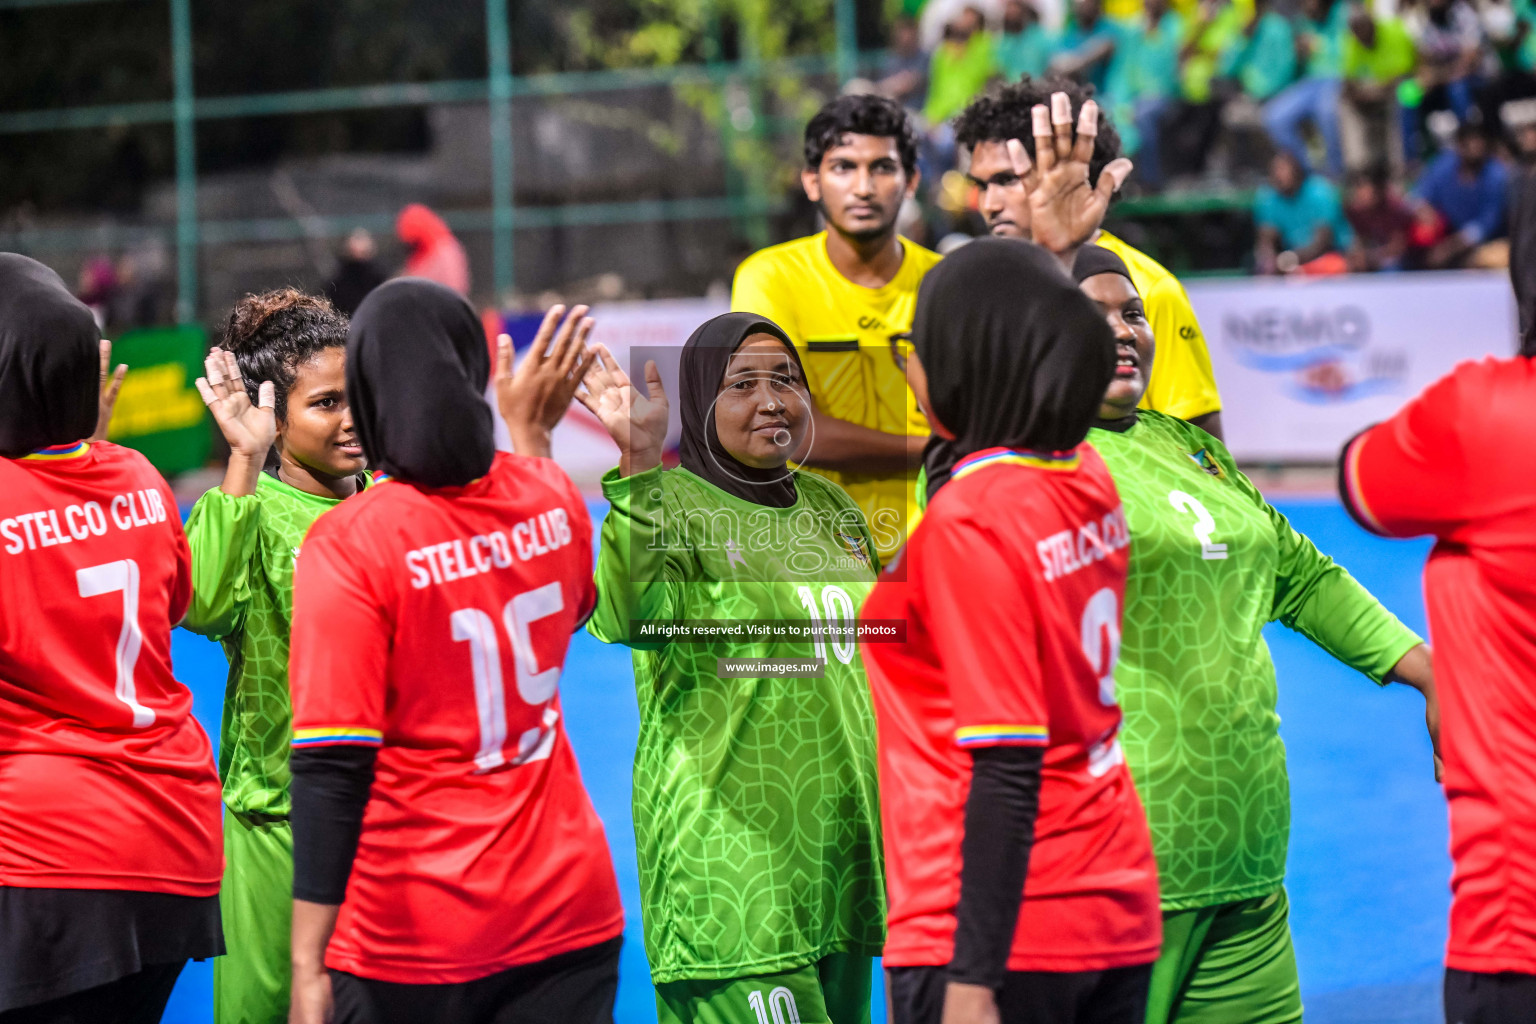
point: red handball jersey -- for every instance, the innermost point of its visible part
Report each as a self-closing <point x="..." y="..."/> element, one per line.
<point x="1014" y="584"/>
<point x="106" y="779"/>
<point x="434" y="624"/>
<point x="1456" y="463"/>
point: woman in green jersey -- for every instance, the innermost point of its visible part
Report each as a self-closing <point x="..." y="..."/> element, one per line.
<point x="1211" y="563"/>
<point x="293" y="455"/>
<point x="756" y="810"/>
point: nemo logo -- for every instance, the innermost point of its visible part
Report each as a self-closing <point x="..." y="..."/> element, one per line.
<point x="1187" y="332"/>
<point x="867" y="322"/>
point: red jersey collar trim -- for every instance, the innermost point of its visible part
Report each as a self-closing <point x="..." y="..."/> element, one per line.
<point x="55" y="452"/>
<point x="1055" y="461"/>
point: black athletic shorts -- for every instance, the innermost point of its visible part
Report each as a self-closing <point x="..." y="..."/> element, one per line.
<point x="1117" y="996"/>
<point x="57" y="942"/>
<point x="1473" y="998"/>
<point x="138" y="998"/>
<point x="573" y="988"/>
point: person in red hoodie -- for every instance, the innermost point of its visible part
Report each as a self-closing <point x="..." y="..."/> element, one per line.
<point x="435" y="254"/>
<point x="1455" y="463"/>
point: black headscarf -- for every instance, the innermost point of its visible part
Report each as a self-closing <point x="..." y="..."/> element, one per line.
<point x="417" y="366"/>
<point x="1093" y="260"/>
<point x="49" y="360"/>
<point x="1016" y="356"/>
<point x="704" y="360"/>
<point x="1522" y="256"/>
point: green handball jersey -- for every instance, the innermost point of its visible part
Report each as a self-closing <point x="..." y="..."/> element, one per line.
<point x="242" y="594"/>
<point x="1211" y="564"/>
<point x="755" y="799"/>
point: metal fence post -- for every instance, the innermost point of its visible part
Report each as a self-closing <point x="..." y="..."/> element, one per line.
<point x="847" y="22"/>
<point x="499" y="50"/>
<point x="186" y="163"/>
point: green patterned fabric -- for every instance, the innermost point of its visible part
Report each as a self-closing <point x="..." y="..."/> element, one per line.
<point x="242" y="594"/>
<point x="755" y="799"/>
<point x="1211" y="563"/>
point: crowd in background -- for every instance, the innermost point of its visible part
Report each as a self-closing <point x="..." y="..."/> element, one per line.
<point x="1371" y="136"/>
<point x="1378" y="139"/>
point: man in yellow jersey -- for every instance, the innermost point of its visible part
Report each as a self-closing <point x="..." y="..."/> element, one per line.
<point x="845" y="297"/>
<point x="1182" y="383"/>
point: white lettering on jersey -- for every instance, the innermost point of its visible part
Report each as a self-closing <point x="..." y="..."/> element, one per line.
<point x="52" y="526"/>
<point x="470" y="556"/>
<point x="1065" y="552"/>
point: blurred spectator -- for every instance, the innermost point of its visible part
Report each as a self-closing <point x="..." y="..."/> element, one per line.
<point x="357" y="272"/>
<point x="97" y="287"/>
<point x="1262" y="58"/>
<point x="1507" y="26"/>
<point x="1024" y="46"/>
<point x="145" y="292"/>
<point x="1153" y="81"/>
<point x="1468" y="190"/>
<point x="1092" y="50"/>
<point x="1378" y="56"/>
<point x="435" y="253"/>
<point x="1215" y="26"/>
<point x="1298" y="216"/>
<point x="1448" y="36"/>
<point x="960" y="67"/>
<point x="1315" y="98"/>
<point x="1193" y="130"/>
<point x="904" y="74"/>
<point x="1380" y="219"/>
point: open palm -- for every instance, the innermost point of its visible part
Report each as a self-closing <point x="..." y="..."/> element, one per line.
<point x="637" y="421"/>
<point x="249" y="429"/>
<point x="1064" y="209"/>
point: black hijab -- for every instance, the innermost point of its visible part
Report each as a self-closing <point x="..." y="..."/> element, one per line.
<point x="1522" y="256"/>
<point x="49" y="360"/>
<point x="417" y="366"/>
<point x="1016" y="356"/>
<point x="1093" y="260"/>
<point x="705" y="357"/>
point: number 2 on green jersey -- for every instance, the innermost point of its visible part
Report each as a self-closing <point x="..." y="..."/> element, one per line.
<point x="1204" y="524"/>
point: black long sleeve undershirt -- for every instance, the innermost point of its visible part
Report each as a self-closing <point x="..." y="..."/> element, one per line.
<point x="330" y="791"/>
<point x="1000" y="814"/>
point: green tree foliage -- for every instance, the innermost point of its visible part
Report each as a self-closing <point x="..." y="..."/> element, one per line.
<point x="119" y="52"/>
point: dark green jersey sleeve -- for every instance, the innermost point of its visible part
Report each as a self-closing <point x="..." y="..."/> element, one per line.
<point x="1319" y="599"/>
<point x="222" y="533"/>
<point x="637" y="578"/>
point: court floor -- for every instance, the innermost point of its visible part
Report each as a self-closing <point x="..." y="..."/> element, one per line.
<point x="1368" y="865"/>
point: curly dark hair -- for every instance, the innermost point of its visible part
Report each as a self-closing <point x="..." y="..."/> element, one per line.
<point x="272" y="333"/>
<point x="1003" y="113"/>
<point x="861" y="114"/>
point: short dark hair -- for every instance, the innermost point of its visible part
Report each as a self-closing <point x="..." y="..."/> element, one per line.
<point x="272" y="333"/>
<point x="861" y="114"/>
<point x="1003" y="113"/>
<point x="1471" y="128"/>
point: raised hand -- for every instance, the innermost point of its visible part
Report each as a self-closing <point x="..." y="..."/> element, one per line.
<point x="249" y="429"/>
<point x="637" y="422"/>
<point x="109" y="389"/>
<point x="534" y="396"/>
<point x="1064" y="209"/>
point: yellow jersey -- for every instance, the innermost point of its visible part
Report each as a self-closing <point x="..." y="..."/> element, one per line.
<point x="1182" y="383"/>
<point x="843" y="332"/>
